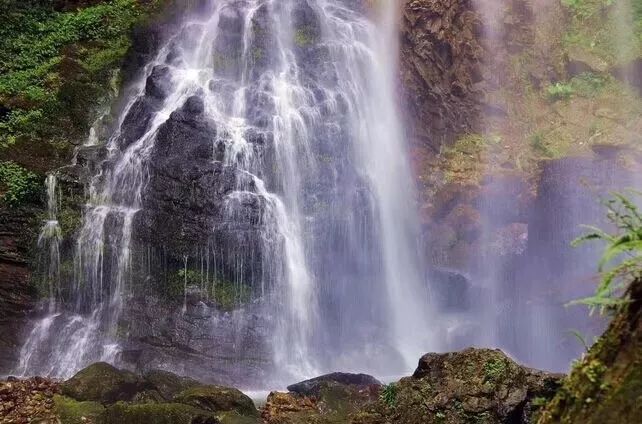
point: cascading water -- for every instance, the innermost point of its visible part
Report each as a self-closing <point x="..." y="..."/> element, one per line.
<point x="281" y="116"/>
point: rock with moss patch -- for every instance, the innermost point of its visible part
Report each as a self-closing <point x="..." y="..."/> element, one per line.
<point x="605" y="387"/>
<point x="103" y="383"/>
<point x="168" y="384"/>
<point x="162" y="413"/>
<point x="70" y="411"/>
<point x="474" y="385"/>
<point x="314" y="386"/>
<point x="218" y="399"/>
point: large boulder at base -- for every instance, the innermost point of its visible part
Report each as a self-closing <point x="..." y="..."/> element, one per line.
<point x="103" y="383"/>
<point x="314" y="386"/>
<point x="168" y="384"/>
<point x="161" y="413"/>
<point x="331" y="398"/>
<point x="474" y="385"/>
<point x="218" y="399"/>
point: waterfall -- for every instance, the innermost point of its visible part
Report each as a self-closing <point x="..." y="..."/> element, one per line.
<point x="276" y="121"/>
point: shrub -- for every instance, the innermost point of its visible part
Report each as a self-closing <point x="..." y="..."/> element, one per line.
<point x="560" y="91"/>
<point x="19" y="185"/>
<point x="389" y="395"/>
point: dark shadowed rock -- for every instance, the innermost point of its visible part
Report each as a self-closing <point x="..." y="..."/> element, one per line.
<point x="159" y="82"/>
<point x="168" y="384"/>
<point x="218" y="399"/>
<point x="313" y="386"/>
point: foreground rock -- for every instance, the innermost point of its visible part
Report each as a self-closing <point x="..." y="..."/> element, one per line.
<point x="104" y="394"/>
<point x="331" y="398"/>
<point x="605" y="387"/>
<point x="474" y="385"/>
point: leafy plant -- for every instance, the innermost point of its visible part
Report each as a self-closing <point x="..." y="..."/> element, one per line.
<point x="494" y="370"/>
<point x="389" y="395"/>
<point x="559" y="91"/>
<point x="621" y="261"/>
<point x="20" y="186"/>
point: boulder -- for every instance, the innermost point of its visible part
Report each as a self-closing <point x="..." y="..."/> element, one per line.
<point x="168" y="384"/>
<point x="103" y="383"/>
<point x="314" y="386"/>
<point x="163" y="413"/>
<point x="474" y="385"/>
<point x="218" y="399"/>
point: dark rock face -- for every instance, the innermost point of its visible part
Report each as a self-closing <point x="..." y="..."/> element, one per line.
<point x="202" y="343"/>
<point x="17" y="296"/>
<point x="440" y="62"/>
<point x="313" y="386"/>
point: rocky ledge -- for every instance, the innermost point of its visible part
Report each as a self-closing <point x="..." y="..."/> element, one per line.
<point x="474" y="385"/>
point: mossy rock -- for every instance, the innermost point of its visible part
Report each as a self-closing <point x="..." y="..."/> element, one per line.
<point x="218" y="399"/>
<point x="157" y="413"/>
<point x="168" y="384"/>
<point x="471" y="386"/>
<point x="605" y="387"/>
<point x="101" y="382"/>
<point x="71" y="411"/>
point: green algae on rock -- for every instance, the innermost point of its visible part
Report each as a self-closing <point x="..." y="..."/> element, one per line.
<point x="605" y="387"/>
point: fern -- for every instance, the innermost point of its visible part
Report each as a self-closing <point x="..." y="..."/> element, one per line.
<point x="621" y="261"/>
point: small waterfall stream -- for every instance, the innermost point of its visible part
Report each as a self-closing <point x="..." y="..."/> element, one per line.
<point x="295" y="103"/>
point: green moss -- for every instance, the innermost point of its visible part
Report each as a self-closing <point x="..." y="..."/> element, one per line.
<point x="157" y="413"/>
<point x="305" y="36"/>
<point x="599" y="28"/>
<point x="70" y="411"/>
<point x="495" y="370"/>
<point x="224" y="294"/>
<point x="559" y="91"/>
<point x="218" y="399"/>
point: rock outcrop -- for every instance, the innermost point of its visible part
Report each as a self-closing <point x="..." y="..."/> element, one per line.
<point x="605" y="386"/>
<point x="102" y="394"/>
<point x="474" y="385"/>
<point x="17" y="295"/>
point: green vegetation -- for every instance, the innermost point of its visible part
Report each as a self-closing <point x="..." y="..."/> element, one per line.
<point x="226" y="295"/>
<point x="621" y="261"/>
<point x="17" y="185"/>
<point x="389" y="395"/>
<point x="598" y="27"/>
<point x="71" y="411"/>
<point x="55" y="65"/>
<point x="304" y="37"/>
<point x="559" y="91"/>
<point x="495" y="370"/>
